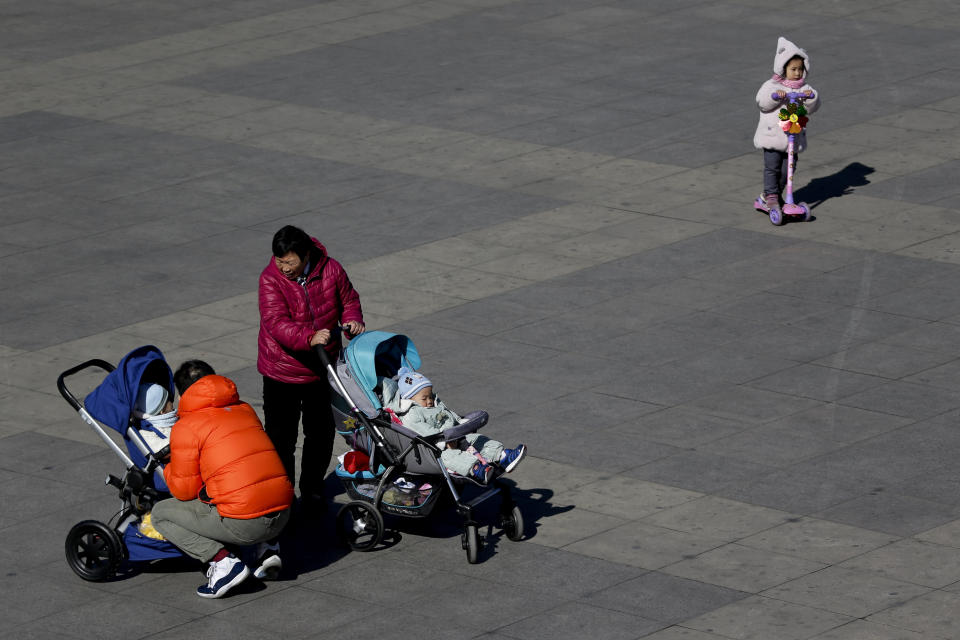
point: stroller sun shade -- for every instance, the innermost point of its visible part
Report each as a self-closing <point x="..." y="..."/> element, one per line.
<point x="112" y="401"/>
<point x="371" y="356"/>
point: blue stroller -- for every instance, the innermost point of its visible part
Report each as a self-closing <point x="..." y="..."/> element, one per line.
<point x="401" y="472"/>
<point x="95" y="550"/>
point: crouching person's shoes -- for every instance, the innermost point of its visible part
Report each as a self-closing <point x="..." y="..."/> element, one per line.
<point x="268" y="555"/>
<point x="222" y="576"/>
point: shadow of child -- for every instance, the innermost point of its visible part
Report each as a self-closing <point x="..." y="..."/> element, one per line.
<point x="841" y="183"/>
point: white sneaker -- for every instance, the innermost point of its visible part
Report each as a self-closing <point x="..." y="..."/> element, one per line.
<point x="269" y="560"/>
<point x="223" y="576"/>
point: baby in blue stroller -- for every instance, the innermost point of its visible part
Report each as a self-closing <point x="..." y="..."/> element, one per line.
<point x="127" y="401"/>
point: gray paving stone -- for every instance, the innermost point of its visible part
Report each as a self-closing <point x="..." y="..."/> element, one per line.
<point x="846" y="591"/>
<point x="940" y="485"/>
<point x="714" y="473"/>
<point x="573" y="620"/>
<point x="682" y="427"/>
<point x="861" y="630"/>
<point x="772" y="446"/>
<point x="828" y="380"/>
<point x="817" y="540"/>
<point x="899" y="515"/>
<point x="759" y="617"/>
<point x="217" y="630"/>
<point x="625" y="497"/>
<point x="117" y="617"/>
<point x="930" y="614"/>
<point x="737" y="567"/>
<point x="920" y="563"/>
<point x="838" y="423"/>
<point x="643" y="545"/>
<point x="718" y="517"/>
<point x="796" y="490"/>
<point x="665" y="598"/>
<point x="568" y="575"/>
<point x="904" y="398"/>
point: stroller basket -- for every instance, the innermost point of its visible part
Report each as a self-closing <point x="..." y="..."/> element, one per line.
<point x="409" y="497"/>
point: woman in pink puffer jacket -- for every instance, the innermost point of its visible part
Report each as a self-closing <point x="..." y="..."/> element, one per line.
<point x="304" y="295"/>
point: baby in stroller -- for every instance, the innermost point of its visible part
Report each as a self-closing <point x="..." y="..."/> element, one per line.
<point x="156" y="415"/>
<point x="411" y="401"/>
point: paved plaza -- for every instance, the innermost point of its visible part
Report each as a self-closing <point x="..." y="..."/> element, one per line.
<point x="737" y="430"/>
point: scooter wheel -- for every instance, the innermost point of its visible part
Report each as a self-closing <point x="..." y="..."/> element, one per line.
<point x="806" y="212"/>
<point x="776" y="217"/>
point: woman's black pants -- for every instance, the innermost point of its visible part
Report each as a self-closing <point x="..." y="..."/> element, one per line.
<point x="284" y="404"/>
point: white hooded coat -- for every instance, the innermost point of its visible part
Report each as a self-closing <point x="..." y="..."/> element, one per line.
<point x="769" y="135"/>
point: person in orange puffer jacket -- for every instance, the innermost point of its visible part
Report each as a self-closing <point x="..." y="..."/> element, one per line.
<point x="227" y="481"/>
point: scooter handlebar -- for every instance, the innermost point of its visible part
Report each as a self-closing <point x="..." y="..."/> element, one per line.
<point x="792" y="96"/>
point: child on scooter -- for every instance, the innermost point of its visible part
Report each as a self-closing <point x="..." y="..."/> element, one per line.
<point x="790" y="67"/>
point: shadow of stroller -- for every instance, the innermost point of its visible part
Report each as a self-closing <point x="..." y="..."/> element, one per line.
<point x="841" y="183"/>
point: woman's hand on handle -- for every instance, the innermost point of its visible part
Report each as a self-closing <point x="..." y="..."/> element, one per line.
<point x="320" y="337"/>
<point x="353" y="328"/>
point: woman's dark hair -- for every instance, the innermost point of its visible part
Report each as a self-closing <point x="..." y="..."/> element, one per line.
<point x="189" y="372"/>
<point x="291" y="238"/>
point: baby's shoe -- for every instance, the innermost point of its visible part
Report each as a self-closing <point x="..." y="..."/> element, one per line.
<point x="481" y="472"/>
<point x="510" y="458"/>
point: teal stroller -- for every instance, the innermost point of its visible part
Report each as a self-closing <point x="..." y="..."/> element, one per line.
<point x="392" y="469"/>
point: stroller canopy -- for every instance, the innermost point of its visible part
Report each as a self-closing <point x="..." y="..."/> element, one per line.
<point x="112" y="401"/>
<point x="377" y="354"/>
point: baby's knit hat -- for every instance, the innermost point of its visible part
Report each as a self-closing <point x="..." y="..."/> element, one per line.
<point x="151" y="399"/>
<point x="409" y="382"/>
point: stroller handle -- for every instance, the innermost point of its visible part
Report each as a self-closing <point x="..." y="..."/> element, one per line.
<point x="61" y="379"/>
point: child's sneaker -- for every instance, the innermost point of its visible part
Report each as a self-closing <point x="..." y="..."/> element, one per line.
<point x="270" y="562"/>
<point x="481" y="472"/>
<point x="510" y="458"/>
<point x="222" y="576"/>
<point x="772" y="200"/>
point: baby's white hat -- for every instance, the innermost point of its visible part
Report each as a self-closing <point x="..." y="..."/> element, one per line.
<point x="409" y="382"/>
<point x="151" y="398"/>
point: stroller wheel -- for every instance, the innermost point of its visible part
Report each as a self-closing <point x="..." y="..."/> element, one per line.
<point x="471" y="543"/>
<point x="94" y="550"/>
<point x="512" y="524"/>
<point x="360" y="525"/>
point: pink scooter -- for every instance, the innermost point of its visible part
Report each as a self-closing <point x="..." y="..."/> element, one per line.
<point x="793" y="120"/>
